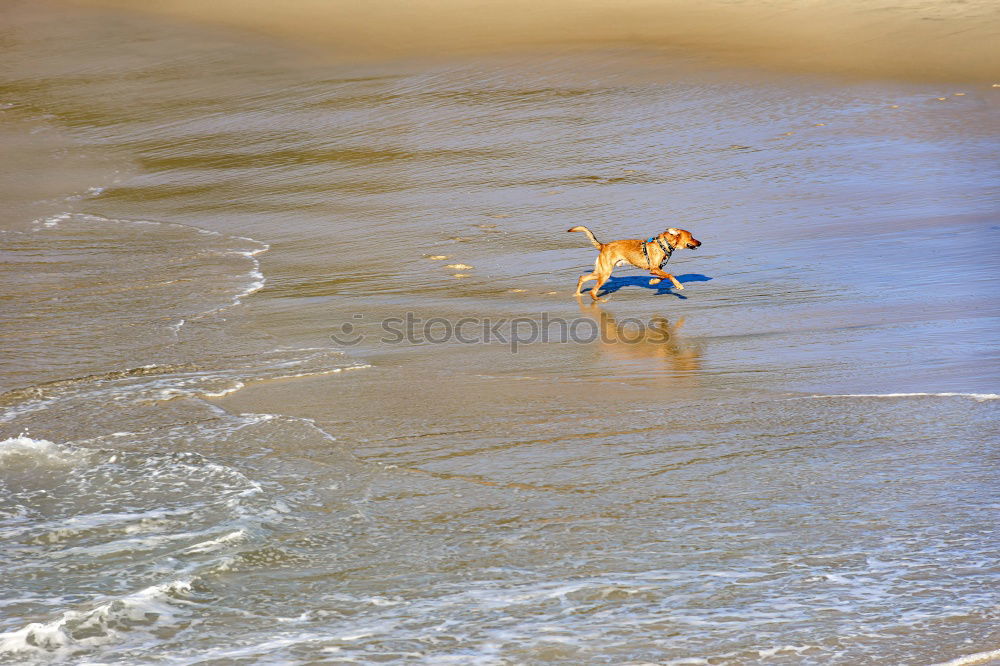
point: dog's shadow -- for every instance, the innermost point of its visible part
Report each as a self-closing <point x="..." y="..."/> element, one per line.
<point x="615" y="283"/>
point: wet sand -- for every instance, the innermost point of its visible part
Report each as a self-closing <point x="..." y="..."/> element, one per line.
<point x="216" y="445"/>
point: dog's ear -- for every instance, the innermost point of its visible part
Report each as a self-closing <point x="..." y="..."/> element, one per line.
<point x="674" y="232"/>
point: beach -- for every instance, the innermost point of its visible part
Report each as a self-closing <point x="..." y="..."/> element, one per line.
<point x="293" y="371"/>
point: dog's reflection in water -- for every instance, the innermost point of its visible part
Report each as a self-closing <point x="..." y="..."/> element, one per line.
<point x="655" y="339"/>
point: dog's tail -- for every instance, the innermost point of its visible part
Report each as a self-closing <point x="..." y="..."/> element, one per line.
<point x="590" y="235"/>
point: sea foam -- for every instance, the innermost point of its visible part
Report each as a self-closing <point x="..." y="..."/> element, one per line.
<point x="149" y="609"/>
<point x="36" y="451"/>
<point x="978" y="397"/>
<point x="971" y="659"/>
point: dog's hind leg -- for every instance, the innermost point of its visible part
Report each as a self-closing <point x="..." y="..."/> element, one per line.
<point x="603" y="273"/>
<point x="584" y="278"/>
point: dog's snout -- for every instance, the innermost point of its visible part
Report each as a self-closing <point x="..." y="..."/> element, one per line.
<point x="694" y="244"/>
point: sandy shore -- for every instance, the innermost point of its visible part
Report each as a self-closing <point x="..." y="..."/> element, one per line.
<point x="914" y="39"/>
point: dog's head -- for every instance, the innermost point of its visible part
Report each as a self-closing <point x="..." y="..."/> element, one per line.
<point x="679" y="238"/>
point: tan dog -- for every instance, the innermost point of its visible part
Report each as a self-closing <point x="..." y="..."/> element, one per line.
<point x="649" y="255"/>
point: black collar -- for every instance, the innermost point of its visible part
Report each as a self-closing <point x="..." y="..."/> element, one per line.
<point x="667" y="250"/>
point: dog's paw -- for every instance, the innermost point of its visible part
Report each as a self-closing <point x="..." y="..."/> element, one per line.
<point x="655" y="281"/>
<point x="680" y="287"/>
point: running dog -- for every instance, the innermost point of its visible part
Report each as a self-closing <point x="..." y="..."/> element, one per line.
<point x="649" y="255"/>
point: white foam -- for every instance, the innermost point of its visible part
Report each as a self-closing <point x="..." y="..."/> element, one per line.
<point x="215" y="544"/>
<point x="255" y="275"/>
<point x="970" y="659"/>
<point x="256" y="279"/>
<point x="978" y="397"/>
<point x="52" y="221"/>
<point x="24" y="444"/>
<point x="54" y="531"/>
<point x="158" y="383"/>
<point x="226" y="391"/>
<point x="89" y="193"/>
<point x="259" y="652"/>
<point x="797" y="649"/>
<point x="319" y="373"/>
<point x="150" y="607"/>
<point x="39" y="449"/>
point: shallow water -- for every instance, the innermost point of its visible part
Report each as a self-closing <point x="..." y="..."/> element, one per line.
<point x="793" y="460"/>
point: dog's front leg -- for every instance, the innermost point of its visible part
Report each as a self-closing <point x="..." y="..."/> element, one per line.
<point x="660" y="276"/>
